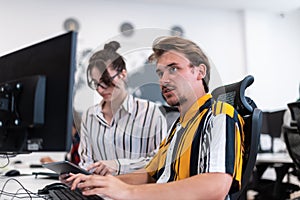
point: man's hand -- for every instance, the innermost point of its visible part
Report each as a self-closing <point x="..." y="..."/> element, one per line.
<point x="109" y="186"/>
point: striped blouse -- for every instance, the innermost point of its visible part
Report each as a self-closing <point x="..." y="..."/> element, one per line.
<point x="207" y="139"/>
<point x="132" y="138"/>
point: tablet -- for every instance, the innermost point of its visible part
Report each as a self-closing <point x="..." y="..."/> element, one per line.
<point x="65" y="167"/>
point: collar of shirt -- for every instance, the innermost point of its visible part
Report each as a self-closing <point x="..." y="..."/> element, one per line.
<point x="194" y="109"/>
<point x="127" y="106"/>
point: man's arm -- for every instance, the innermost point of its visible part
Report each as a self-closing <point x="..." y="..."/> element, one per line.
<point x="202" y="186"/>
<point x="136" y="178"/>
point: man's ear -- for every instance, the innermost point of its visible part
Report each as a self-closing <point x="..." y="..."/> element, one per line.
<point x="123" y="74"/>
<point x="201" y="71"/>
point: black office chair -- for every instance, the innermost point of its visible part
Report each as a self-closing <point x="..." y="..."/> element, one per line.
<point x="271" y="125"/>
<point x="295" y="112"/>
<point x="292" y="141"/>
<point x="270" y="189"/>
<point x="292" y="137"/>
<point x="234" y="94"/>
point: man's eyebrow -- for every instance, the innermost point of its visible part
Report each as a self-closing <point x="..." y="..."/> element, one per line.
<point x="171" y="64"/>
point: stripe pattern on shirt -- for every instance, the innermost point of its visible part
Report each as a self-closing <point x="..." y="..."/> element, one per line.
<point x="131" y="139"/>
<point x="210" y="140"/>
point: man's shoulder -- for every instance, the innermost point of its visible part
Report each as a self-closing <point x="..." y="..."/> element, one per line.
<point x="219" y="107"/>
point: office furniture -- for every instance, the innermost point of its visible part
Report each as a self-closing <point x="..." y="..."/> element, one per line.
<point x="272" y="158"/>
<point x="274" y="189"/>
<point x="294" y="108"/>
<point x="234" y="94"/>
<point x="269" y="189"/>
<point x="271" y="125"/>
<point x="31" y="182"/>
<point x="292" y="137"/>
<point x="292" y="140"/>
<point x="14" y="185"/>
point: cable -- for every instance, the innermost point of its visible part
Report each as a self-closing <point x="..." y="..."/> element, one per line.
<point x="18" y="195"/>
<point x="8" y="161"/>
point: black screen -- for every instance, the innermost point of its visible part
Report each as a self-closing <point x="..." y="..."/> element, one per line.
<point x="53" y="59"/>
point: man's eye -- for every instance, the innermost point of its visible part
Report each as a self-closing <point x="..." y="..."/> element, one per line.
<point x="172" y="70"/>
<point x="159" y="74"/>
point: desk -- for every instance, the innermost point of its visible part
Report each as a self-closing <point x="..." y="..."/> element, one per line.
<point x="27" y="180"/>
<point x="14" y="186"/>
<point x="273" y="158"/>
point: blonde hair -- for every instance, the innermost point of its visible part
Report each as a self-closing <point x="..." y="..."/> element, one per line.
<point x="188" y="48"/>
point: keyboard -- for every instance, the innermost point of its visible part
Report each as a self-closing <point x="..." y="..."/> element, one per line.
<point x="66" y="193"/>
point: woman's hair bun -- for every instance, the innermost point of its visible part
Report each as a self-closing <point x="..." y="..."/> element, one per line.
<point x="112" y="46"/>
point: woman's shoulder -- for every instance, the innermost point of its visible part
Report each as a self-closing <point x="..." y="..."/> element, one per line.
<point x="145" y="102"/>
<point x="91" y="110"/>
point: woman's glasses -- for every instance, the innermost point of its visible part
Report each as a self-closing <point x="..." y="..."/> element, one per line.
<point x="105" y="81"/>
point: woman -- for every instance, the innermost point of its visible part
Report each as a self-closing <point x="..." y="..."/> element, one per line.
<point x="121" y="133"/>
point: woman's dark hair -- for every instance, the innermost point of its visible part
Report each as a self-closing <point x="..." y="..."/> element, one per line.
<point x="107" y="57"/>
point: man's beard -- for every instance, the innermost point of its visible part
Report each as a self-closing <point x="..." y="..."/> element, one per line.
<point x="180" y="101"/>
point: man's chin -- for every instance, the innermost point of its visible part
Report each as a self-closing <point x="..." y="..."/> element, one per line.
<point x="172" y="102"/>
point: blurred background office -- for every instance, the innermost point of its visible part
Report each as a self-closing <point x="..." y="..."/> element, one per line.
<point x="242" y="37"/>
<point x="257" y="37"/>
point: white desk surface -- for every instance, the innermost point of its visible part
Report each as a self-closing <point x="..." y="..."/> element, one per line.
<point x="27" y="180"/>
<point x="273" y="158"/>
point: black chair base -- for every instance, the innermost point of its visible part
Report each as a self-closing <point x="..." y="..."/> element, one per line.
<point x="265" y="189"/>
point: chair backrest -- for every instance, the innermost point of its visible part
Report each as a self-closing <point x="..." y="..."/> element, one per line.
<point x="295" y="112"/>
<point x="292" y="141"/>
<point x="292" y="134"/>
<point x="234" y="94"/>
<point x="271" y="125"/>
<point x="272" y="122"/>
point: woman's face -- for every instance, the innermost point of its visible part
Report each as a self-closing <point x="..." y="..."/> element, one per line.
<point x="109" y="93"/>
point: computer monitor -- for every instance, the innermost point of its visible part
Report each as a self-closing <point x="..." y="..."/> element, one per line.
<point x="36" y="91"/>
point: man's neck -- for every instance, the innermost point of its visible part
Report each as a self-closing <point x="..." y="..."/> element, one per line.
<point x="183" y="108"/>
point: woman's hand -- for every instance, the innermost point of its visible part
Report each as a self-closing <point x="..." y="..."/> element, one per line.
<point x="104" y="167"/>
<point x="46" y="159"/>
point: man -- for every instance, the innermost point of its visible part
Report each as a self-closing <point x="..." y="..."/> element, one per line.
<point x="201" y="158"/>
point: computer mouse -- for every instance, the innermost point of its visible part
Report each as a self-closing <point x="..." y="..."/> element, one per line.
<point x="13" y="172"/>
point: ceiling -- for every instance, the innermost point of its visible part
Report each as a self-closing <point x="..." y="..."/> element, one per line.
<point x="281" y="6"/>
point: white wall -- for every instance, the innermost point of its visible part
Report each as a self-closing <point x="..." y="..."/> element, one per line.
<point x="273" y="47"/>
<point x="239" y="43"/>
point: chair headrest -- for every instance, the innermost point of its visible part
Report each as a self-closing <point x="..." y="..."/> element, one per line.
<point x="294" y="107"/>
<point x="234" y="94"/>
